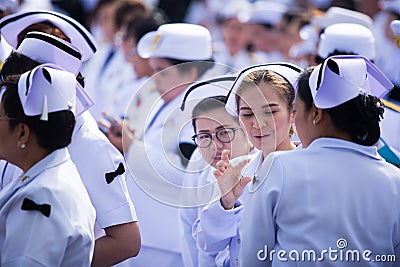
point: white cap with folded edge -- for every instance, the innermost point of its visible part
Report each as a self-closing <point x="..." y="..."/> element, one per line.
<point x="263" y="12"/>
<point x="46" y="89"/>
<point x="288" y="71"/>
<point x="357" y="75"/>
<point x="347" y="37"/>
<point x="12" y="25"/>
<point x="45" y="48"/>
<point x="342" y="15"/>
<point x="181" y="41"/>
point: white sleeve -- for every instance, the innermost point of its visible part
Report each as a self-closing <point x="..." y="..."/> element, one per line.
<point x="94" y="157"/>
<point x="258" y="230"/>
<point x="215" y="227"/>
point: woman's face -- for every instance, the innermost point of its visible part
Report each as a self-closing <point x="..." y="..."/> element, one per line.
<point x="303" y="121"/>
<point x="263" y="39"/>
<point x="219" y="120"/>
<point x="235" y="35"/>
<point x="167" y="76"/>
<point x="265" y="117"/>
<point x="140" y="65"/>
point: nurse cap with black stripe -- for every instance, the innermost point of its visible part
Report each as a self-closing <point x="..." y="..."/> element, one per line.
<point x="45" y="48"/>
<point x="288" y="71"/>
<point x="46" y="89"/>
<point x="80" y="37"/>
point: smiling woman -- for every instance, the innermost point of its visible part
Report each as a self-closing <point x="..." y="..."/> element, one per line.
<point x="265" y="103"/>
<point x="262" y="98"/>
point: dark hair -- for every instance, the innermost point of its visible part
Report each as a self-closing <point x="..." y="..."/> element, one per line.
<point x="284" y="88"/>
<point x="52" y="134"/>
<point x="185" y="65"/>
<point x="209" y="104"/>
<point x="17" y="63"/>
<point x="139" y="26"/>
<point x="359" y="116"/>
<point x="129" y="9"/>
<point x="46" y="27"/>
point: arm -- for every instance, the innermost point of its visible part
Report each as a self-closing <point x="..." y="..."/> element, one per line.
<point x="215" y="227"/>
<point x="120" y="242"/>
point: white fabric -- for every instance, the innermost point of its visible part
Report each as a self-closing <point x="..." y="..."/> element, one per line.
<point x="47" y="88"/>
<point x="80" y="37"/>
<point x="348" y="38"/>
<point x="65" y="238"/>
<point x="308" y="199"/>
<point x="201" y="175"/>
<point x="95" y="156"/>
<point x="104" y="85"/>
<point x="182" y="41"/>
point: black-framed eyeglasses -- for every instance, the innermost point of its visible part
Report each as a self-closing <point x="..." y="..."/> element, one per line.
<point x="225" y="135"/>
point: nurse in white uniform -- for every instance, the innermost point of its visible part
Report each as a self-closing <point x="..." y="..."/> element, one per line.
<point x="179" y="53"/>
<point x="262" y="97"/>
<point x="215" y="130"/>
<point x="47" y="218"/>
<point x="336" y="195"/>
<point x="100" y="165"/>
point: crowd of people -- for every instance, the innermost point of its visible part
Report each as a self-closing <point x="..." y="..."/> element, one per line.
<point x="200" y="133"/>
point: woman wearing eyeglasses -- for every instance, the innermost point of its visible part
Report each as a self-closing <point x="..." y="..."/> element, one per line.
<point x="216" y="130"/>
<point x="334" y="202"/>
<point x="262" y="98"/>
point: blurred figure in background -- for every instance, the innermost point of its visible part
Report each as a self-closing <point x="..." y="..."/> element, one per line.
<point x="108" y="69"/>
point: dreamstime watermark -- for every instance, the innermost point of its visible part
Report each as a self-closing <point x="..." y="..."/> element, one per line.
<point x="339" y="253"/>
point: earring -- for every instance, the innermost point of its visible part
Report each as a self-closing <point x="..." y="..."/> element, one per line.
<point x="313" y="122"/>
<point x="23" y="146"/>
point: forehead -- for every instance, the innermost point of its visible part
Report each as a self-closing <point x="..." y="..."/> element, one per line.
<point x="260" y="95"/>
<point x="159" y="62"/>
<point x="215" y="116"/>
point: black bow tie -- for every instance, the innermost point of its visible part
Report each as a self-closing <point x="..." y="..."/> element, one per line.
<point x="29" y="204"/>
<point x="111" y="175"/>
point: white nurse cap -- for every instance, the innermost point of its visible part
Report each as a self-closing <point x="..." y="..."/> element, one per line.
<point x="232" y="9"/>
<point x="264" y="12"/>
<point x="288" y="71"/>
<point x="46" y="89"/>
<point x="12" y="25"/>
<point x="390" y="5"/>
<point x="342" y="15"/>
<point x="45" y="48"/>
<point x="181" y="41"/>
<point x="356" y="76"/>
<point x="347" y="37"/>
<point x="395" y="26"/>
<point x="212" y="87"/>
